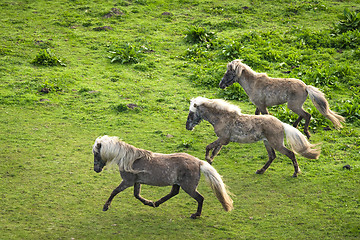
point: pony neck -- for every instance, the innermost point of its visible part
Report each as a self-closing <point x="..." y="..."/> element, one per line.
<point x="210" y="114"/>
<point x="247" y="78"/>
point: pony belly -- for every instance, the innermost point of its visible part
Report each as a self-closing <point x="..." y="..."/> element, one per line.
<point x="246" y="137"/>
<point x="245" y="134"/>
<point x="157" y="179"/>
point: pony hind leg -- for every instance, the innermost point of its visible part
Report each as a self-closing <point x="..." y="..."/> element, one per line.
<point x="174" y="191"/>
<point x="291" y="155"/>
<point x="197" y="196"/>
<point x="271" y="155"/>
<point x="137" y="189"/>
<point x="302" y="115"/>
<point x="123" y="185"/>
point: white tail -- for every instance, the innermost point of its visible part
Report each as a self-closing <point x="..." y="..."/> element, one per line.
<point x="299" y="143"/>
<point x="322" y="105"/>
<point x="217" y="185"/>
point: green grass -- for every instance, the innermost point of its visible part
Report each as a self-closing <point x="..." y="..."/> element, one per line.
<point x="51" y="115"/>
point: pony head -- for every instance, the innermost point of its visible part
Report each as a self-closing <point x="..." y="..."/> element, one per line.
<point x="234" y="70"/>
<point x="104" y="151"/>
<point x="111" y="150"/>
<point x="99" y="163"/>
<point x="194" y="117"/>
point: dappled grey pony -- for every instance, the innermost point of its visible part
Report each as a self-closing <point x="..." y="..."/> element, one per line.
<point x="231" y="125"/>
<point x="265" y="91"/>
<point x="138" y="166"/>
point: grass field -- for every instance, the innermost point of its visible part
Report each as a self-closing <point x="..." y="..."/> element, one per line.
<point x="71" y="71"/>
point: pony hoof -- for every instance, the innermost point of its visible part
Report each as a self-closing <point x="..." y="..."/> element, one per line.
<point x="260" y="171"/>
<point x="105" y="208"/>
<point x="195" y="215"/>
<point x="294" y="175"/>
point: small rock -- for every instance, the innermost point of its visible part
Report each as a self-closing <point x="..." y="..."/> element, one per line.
<point x="132" y="105"/>
<point x="104" y="28"/>
<point x="45" y="90"/>
<point x="327" y="128"/>
<point x="347" y="166"/>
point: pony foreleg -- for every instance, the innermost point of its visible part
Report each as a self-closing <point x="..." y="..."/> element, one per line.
<point x="123" y="185"/>
<point x="174" y="191"/>
<point x="215" y="151"/>
<point x="296" y="123"/>
<point x="216" y="145"/>
<point x="263" y="110"/>
<point x="137" y="189"/>
<point x="272" y="156"/>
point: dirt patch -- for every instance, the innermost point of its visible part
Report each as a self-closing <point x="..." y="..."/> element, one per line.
<point x="113" y="12"/>
<point x="104" y="28"/>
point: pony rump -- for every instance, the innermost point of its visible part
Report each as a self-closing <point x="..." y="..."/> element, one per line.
<point x="218" y="104"/>
<point x="114" y="151"/>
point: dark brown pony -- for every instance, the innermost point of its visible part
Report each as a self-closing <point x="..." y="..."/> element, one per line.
<point x="138" y="166"/>
<point x="265" y="91"/>
<point x="232" y="126"/>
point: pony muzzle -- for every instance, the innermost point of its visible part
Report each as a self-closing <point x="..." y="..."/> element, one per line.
<point x="222" y="84"/>
<point x="188" y="127"/>
<point x="97" y="169"/>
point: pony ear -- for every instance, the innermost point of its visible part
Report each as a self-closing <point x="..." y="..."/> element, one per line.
<point x="238" y="69"/>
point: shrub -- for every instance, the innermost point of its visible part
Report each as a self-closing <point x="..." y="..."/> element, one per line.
<point x="233" y="92"/>
<point x="126" y="54"/>
<point x="186" y="144"/>
<point x="350" y="39"/>
<point x="195" y="34"/>
<point x="349" y="21"/>
<point x="121" y="107"/>
<point x="54" y="85"/>
<point x="329" y="75"/>
<point x="47" y="58"/>
<point x="350" y="109"/>
<point x="208" y="76"/>
<point x="309" y="38"/>
<point x="231" y="50"/>
<point x="196" y="53"/>
<point x="285" y="115"/>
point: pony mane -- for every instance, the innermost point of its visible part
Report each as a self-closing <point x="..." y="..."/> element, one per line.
<point x="237" y="63"/>
<point x="218" y="104"/>
<point x="114" y="151"/>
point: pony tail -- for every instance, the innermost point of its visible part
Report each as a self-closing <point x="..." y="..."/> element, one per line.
<point x="299" y="143"/>
<point x="217" y="185"/>
<point x="322" y="105"/>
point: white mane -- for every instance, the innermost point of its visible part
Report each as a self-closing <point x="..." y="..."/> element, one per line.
<point x="216" y="103"/>
<point x="236" y="65"/>
<point x="115" y="151"/>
